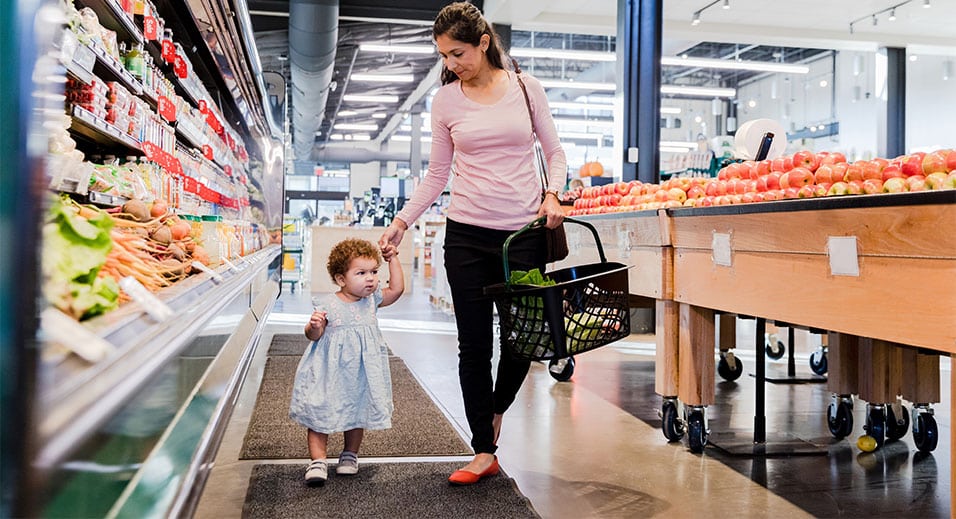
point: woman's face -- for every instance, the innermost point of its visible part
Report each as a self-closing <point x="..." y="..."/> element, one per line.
<point x="464" y="59"/>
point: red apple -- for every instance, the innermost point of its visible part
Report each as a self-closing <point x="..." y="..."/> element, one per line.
<point x="854" y="187"/>
<point x="790" y="192"/>
<point x="736" y="186"/>
<point x="853" y="172"/>
<point x="771" y="195"/>
<point x="872" y="186"/>
<point x="916" y="183"/>
<point x="934" y="162"/>
<point x="782" y="164"/>
<point x="937" y="180"/>
<point x="696" y="191"/>
<point x="952" y="179"/>
<point x="913" y="164"/>
<point x="833" y="157"/>
<point x="951" y="160"/>
<point x="839" y="170"/>
<point x="891" y="171"/>
<point x="716" y="188"/>
<point x="894" y="185"/>
<point x="763" y="167"/>
<point x="872" y="169"/>
<point x="707" y="201"/>
<point x="806" y="159"/>
<point x="805" y="191"/>
<point x="799" y="177"/>
<point x="748" y="198"/>
<point x="824" y="175"/>
<point x="821" y="189"/>
<point x="676" y="193"/>
<point x="838" y="189"/>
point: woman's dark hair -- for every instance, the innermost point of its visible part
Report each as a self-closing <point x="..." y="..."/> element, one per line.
<point x="464" y="22"/>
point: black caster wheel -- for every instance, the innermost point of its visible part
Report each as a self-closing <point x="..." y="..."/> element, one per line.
<point x="925" y="432"/>
<point x="696" y="432"/>
<point x="561" y="369"/>
<point x="725" y="371"/>
<point x="670" y="422"/>
<point x="876" y="425"/>
<point x="818" y="362"/>
<point x="777" y="352"/>
<point x="840" y="425"/>
<point x="896" y="426"/>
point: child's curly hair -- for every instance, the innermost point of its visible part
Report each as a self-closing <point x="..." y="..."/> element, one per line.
<point x="346" y="250"/>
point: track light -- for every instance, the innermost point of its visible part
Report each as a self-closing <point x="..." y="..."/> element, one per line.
<point x="696" y="20"/>
<point x="892" y="17"/>
<point x="726" y="4"/>
<point x="874" y="20"/>
<point x="926" y="4"/>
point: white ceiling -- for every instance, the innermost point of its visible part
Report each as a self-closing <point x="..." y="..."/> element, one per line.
<point x="794" y="23"/>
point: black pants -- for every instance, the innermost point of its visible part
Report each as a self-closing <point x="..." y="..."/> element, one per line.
<point x="473" y="260"/>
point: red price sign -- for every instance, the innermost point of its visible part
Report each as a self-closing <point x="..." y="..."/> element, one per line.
<point x="166" y="161"/>
<point x="150" y="28"/>
<point x="180" y="67"/>
<point x="207" y="151"/>
<point x="167" y="109"/>
<point x="169" y="51"/>
<point x="227" y="169"/>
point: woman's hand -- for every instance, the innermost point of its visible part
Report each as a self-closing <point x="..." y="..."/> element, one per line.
<point x="392" y="237"/>
<point x="551" y="208"/>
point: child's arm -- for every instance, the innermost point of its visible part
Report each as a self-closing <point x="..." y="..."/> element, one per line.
<point x="315" y="328"/>
<point x="396" y="279"/>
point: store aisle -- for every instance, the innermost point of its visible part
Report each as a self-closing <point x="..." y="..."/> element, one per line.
<point x="593" y="447"/>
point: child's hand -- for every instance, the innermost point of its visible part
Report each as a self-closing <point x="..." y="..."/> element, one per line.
<point x="389" y="252"/>
<point x="315" y="328"/>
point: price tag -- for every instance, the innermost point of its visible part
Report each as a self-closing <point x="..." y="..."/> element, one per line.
<point x="84" y="58"/>
<point x="61" y="329"/>
<point x="150" y="303"/>
<point x="199" y="266"/>
<point x="844" y="260"/>
<point x="150" y="28"/>
<point x="169" y="51"/>
<point x="720" y="246"/>
<point x="207" y="151"/>
<point x="180" y="67"/>
<point x="167" y="109"/>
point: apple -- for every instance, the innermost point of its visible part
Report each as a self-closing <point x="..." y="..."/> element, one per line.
<point x="736" y="186"/>
<point x="825" y="175"/>
<point x="854" y="187"/>
<point x="872" y="186"/>
<point x="806" y="159"/>
<point x="805" y="191"/>
<point x="799" y="176"/>
<point x="782" y="164"/>
<point x="734" y="198"/>
<point x="759" y="197"/>
<point x="894" y="185"/>
<point x="748" y="198"/>
<point x="763" y="167"/>
<point x="913" y="164"/>
<point x="916" y="183"/>
<point x="951" y="160"/>
<point x="716" y="188"/>
<point x="721" y="200"/>
<point x="661" y="195"/>
<point x="707" y="201"/>
<point x="853" y="172"/>
<point x="676" y="193"/>
<point x="872" y="169"/>
<point x="833" y="157"/>
<point x="952" y="179"/>
<point x="838" y="189"/>
<point x="937" y="180"/>
<point x="891" y="171"/>
<point x="934" y="162"/>
<point x="696" y="191"/>
<point x="690" y="202"/>
<point x="821" y="189"/>
<point x="650" y="189"/>
<point x="790" y="192"/>
<point x="839" y="170"/>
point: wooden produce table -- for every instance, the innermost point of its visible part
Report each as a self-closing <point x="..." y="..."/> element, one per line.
<point x="325" y="237"/>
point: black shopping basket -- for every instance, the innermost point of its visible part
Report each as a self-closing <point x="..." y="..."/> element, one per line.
<point x="585" y="309"/>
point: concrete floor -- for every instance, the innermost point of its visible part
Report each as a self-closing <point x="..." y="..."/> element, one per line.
<point x="593" y="447"/>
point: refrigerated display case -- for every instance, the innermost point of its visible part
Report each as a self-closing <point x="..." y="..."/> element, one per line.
<point x="121" y="414"/>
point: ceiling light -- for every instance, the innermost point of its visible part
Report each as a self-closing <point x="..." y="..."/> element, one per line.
<point x="383" y="78"/>
<point x="357" y="98"/>
<point x="914" y="57"/>
<point x="357" y="127"/>
<point x="398" y="49"/>
<point x="823" y="83"/>
<point x="584" y="85"/>
<point x="757" y="66"/>
<point x="698" y="91"/>
<point x="379" y="115"/>
<point x="926" y="4"/>
<point x="581" y="55"/>
<point x="347" y="113"/>
<point x="584" y="122"/>
<point x="947" y="70"/>
<point x="408" y="138"/>
<point x="580" y="135"/>
<point x="674" y="110"/>
<point x="337" y="137"/>
<point x="679" y="144"/>
<point x="726" y="4"/>
<point x="580" y="106"/>
<point x="752" y="103"/>
<point x="696" y="20"/>
<point x="892" y="16"/>
<point x="670" y="149"/>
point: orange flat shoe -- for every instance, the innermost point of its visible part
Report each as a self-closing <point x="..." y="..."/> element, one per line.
<point x="465" y="477"/>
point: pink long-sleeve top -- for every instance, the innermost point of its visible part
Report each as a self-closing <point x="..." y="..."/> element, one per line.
<point x="490" y="148"/>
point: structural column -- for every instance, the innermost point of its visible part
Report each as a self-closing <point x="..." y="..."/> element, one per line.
<point x="639" y="73"/>
<point x="895" y="102"/>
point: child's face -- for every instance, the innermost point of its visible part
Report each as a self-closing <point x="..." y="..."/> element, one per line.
<point x="361" y="278"/>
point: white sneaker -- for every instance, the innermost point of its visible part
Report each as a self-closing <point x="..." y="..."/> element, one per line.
<point x="348" y="464"/>
<point x="317" y="473"/>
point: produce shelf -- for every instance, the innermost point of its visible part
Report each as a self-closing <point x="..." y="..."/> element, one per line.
<point x="85" y="395"/>
<point x="112" y="16"/>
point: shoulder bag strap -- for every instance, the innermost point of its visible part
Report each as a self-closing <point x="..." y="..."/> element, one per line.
<point x="539" y="153"/>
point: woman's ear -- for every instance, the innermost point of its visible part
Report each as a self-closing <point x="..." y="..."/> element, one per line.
<point x="484" y="42"/>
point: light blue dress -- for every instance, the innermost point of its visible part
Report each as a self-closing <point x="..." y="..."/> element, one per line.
<point x="343" y="381"/>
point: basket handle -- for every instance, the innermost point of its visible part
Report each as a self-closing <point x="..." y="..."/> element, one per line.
<point x="538" y="223"/>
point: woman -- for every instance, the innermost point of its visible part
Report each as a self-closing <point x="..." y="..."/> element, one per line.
<point x="481" y="129"/>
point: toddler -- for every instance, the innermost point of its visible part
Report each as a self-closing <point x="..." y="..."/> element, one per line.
<point x="343" y="382"/>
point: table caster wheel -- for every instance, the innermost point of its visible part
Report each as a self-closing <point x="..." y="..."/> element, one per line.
<point x="818" y="362"/>
<point x="775" y="351"/>
<point x="876" y="423"/>
<point x="897" y="425"/>
<point x="729" y="366"/>
<point x="696" y="431"/>
<point x="925" y="430"/>
<point x="840" y="418"/>
<point x="670" y="421"/>
<point x="561" y="369"/>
